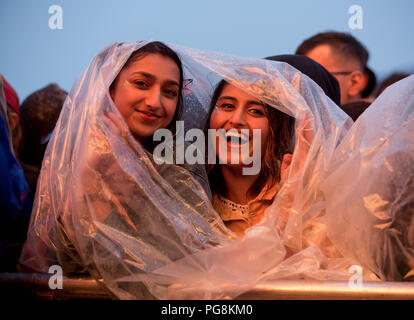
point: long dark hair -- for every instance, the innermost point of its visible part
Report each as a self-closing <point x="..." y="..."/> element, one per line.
<point x="280" y="142"/>
<point x="164" y="50"/>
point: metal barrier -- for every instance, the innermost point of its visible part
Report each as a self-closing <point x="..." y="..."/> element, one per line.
<point x="327" y="290"/>
<point x="36" y="286"/>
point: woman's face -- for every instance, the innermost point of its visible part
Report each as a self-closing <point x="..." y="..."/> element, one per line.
<point x="146" y="94"/>
<point x="235" y="109"/>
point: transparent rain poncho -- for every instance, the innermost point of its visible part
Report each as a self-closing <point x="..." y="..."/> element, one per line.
<point x="103" y="205"/>
<point x="370" y="193"/>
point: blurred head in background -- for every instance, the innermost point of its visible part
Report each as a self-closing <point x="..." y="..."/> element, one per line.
<point x="345" y="58"/>
<point x="39" y="114"/>
<point x="13" y="113"/>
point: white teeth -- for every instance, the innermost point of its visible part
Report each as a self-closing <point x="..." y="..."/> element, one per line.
<point x="238" y="137"/>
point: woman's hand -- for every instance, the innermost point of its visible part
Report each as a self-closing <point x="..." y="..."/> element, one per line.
<point x="115" y="124"/>
<point x="285" y="167"/>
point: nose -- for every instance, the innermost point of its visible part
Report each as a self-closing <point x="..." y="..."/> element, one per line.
<point x="238" y="118"/>
<point x="153" y="98"/>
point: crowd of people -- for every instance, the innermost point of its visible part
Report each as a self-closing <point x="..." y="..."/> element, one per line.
<point x="334" y="187"/>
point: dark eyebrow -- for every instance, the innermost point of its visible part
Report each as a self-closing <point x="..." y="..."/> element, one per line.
<point x="172" y="83"/>
<point x="258" y="103"/>
<point x="152" y="77"/>
<point x="226" y="97"/>
<point x="145" y="74"/>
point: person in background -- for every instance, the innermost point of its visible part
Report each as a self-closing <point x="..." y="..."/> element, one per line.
<point x="392" y="78"/>
<point x="39" y="113"/>
<point x="315" y="71"/>
<point x="345" y="58"/>
<point x="13" y="114"/>
<point x="15" y="205"/>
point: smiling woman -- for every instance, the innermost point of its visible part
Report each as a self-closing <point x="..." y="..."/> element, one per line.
<point x="113" y="186"/>
<point x="239" y="198"/>
<point x="147" y="91"/>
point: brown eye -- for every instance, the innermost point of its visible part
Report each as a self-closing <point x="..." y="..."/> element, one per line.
<point x="257" y="112"/>
<point x="171" y="93"/>
<point x="141" y="84"/>
<point x="226" y="106"/>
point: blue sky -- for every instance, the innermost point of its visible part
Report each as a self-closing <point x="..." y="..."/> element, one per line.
<point x="32" y="55"/>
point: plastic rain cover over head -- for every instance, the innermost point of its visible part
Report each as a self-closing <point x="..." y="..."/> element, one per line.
<point x="105" y="207"/>
<point x="370" y="193"/>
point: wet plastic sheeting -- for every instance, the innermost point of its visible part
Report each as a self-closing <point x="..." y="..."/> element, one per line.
<point x="370" y="193"/>
<point x="105" y="207"/>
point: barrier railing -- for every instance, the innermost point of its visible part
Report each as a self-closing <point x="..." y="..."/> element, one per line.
<point x="36" y="286"/>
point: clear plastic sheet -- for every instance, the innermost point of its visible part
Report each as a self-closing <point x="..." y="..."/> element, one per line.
<point x="105" y="207"/>
<point x="370" y="193"/>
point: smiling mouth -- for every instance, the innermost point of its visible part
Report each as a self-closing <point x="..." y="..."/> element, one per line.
<point x="149" y="114"/>
<point x="236" y="138"/>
